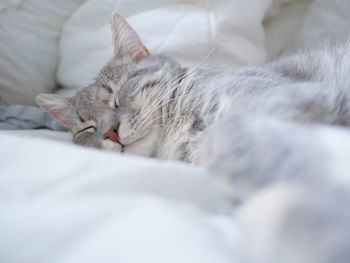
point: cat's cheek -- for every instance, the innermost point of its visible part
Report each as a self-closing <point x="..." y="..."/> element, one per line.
<point x="146" y="147"/>
<point x="111" y="146"/>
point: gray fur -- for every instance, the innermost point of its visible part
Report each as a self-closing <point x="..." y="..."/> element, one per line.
<point x="253" y="151"/>
<point x="292" y="223"/>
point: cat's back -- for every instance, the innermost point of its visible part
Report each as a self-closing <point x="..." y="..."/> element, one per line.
<point x="327" y="64"/>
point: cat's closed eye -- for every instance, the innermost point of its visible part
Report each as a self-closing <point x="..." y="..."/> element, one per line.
<point x="90" y="129"/>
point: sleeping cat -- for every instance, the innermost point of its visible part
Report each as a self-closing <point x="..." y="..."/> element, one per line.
<point x="151" y="105"/>
<point x="252" y="127"/>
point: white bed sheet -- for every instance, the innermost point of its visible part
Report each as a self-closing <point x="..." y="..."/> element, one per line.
<point x="126" y="229"/>
<point x="64" y="203"/>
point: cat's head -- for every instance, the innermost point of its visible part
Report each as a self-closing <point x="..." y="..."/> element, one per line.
<point x="121" y="109"/>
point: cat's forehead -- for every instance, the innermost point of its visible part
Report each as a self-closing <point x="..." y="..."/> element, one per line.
<point x="116" y="73"/>
<point x="92" y="96"/>
<point x="113" y="71"/>
<point x="153" y="67"/>
<point x="115" y="68"/>
<point x="91" y="102"/>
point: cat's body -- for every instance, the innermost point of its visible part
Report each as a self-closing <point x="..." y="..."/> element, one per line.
<point x="310" y="87"/>
<point x="237" y="122"/>
<point x="305" y="87"/>
<point x="181" y="103"/>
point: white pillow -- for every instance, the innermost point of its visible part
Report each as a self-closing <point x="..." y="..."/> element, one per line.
<point x="29" y="34"/>
<point x="186" y="30"/>
<point x="283" y="25"/>
<point x="326" y="21"/>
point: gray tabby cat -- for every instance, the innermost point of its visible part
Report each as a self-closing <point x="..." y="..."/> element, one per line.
<point x="151" y="105"/>
<point x="234" y="121"/>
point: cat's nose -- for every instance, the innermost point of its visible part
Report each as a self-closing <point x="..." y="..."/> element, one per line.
<point x="112" y="134"/>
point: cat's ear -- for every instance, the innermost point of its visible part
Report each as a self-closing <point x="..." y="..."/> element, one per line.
<point x="58" y="107"/>
<point x="126" y="40"/>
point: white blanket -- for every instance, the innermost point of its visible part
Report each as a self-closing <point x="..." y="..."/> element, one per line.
<point x="64" y="203"/>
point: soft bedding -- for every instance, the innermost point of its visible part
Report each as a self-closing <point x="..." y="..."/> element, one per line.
<point x="63" y="203"/>
<point x="83" y="205"/>
<point x="108" y="229"/>
<point x="16" y="117"/>
<point x="29" y="42"/>
<point x="69" y="170"/>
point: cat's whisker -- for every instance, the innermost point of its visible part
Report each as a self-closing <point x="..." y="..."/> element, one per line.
<point x="136" y="129"/>
<point x="164" y="103"/>
<point x="142" y="123"/>
<point x="162" y="83"/>
<point x="178" y="77"/>
<point x="154" y="107"/>
<point x="161" y="105"/>
<point x="166" y="86"/>
<point x="155" y="89"/>
<point x="157" y="100"/>
<point x="158" y="97"/>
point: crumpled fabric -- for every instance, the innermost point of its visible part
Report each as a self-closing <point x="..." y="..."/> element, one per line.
<point x="19" y="117"/>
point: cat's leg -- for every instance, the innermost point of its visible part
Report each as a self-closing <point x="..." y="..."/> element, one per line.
<point x="292" y="210"/>
<point x="247" y="152"/>
<point x="295" y="223"/>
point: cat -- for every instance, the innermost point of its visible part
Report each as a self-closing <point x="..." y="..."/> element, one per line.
<point x="252" y="127"/>
<point x="151" y="105"/>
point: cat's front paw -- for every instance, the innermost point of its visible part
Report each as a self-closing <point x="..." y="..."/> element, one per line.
<point x="248" y="152"/>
